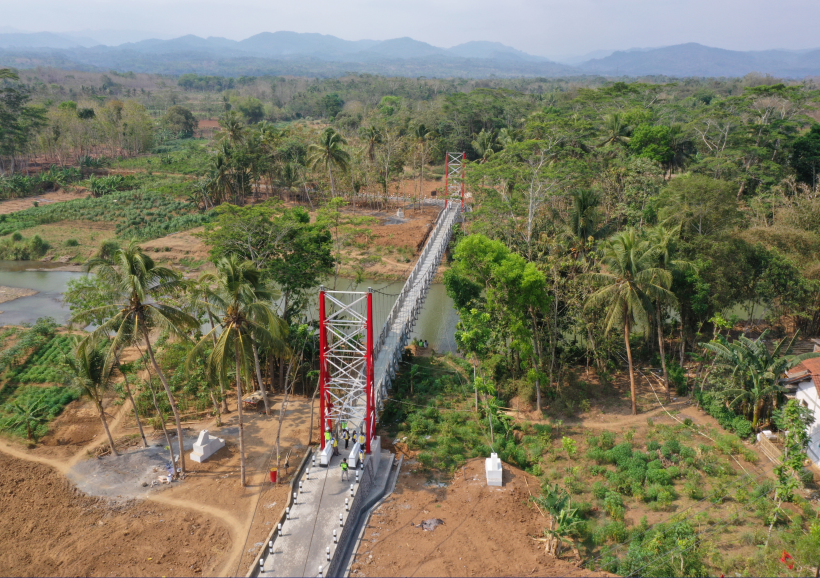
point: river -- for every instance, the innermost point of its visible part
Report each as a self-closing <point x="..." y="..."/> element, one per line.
<point x="436" y="323"/>
<point x="47" y="303"/>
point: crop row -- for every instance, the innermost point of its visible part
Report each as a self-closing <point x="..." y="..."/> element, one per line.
<point x="137" y="214"/>
<point x="45" y="366"/>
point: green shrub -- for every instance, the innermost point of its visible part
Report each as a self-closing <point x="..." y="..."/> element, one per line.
<point x="661" y="477"/>
<point x="653" y="446"/>
<point x="614" y="506"/>
<point x="72" y="243"/>
<point x="619" y="454"/>
<point x="742" y="426"/>
<point x="599" y="490"/>
<point x="597" y="455"/>
<point x="614" y="531"/>
<point x="607" y="440"/>
<point x="569" y="446"/>
<point x="693" y="489"/>
<point x="670" y="448"/>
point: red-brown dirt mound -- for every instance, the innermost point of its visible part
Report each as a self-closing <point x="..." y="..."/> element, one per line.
<point x="486" y="531"/>
<point x="49" y="528"/>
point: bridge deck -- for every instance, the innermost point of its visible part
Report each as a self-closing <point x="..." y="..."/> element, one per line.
<point x="301" y="548"/>
<point x="396" y="332"/>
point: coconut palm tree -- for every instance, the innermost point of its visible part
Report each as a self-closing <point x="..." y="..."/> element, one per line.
<point x="483" y="145"/>
<point x="615" y="130"/>
<point x="631" y="282"/>
<point x="201" y="295"/>
<point x="220" y="181"/>
<point x="371" y="136"/>
<point x="233" y="130"/>
<point x="662" y="241"/>
<point x="247" y="322"/>
<point x="422" y="136"/>
<point x="87" y="372"/>
<point x="329" y="152"/>
<point x="506" y="137"/>
<point x="136" y="308"/>
<point x="585" y="221"/>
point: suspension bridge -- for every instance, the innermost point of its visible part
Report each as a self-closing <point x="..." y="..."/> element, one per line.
<point x="361" y="346"/>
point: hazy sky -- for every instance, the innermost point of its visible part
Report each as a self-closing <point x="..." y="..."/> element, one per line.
<point x="545" y="27"/>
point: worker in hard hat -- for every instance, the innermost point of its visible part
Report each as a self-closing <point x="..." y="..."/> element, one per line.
<point x="335" y="444"/>
<point x="327" y="435"/>
<point x="346" y="437"/>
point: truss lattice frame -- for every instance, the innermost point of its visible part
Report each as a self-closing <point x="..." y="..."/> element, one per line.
<point x="346" y="361"/>
<point x="454" y="171"/>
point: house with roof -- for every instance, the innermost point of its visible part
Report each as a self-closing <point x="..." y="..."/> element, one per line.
<point x="806" y="377"/>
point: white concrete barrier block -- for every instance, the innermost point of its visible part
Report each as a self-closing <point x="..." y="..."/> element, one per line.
<point x="206" y="446"/>
<point x="326" y="454"/>
<point x="353" y="458"/>
<point x="492" y="466"/>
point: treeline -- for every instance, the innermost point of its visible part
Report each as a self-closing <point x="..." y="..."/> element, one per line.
<point x="68" y="132"/>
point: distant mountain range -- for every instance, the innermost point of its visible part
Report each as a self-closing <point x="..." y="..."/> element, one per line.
<point x="323" y="55"/>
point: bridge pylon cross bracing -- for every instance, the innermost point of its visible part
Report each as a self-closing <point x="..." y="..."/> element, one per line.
<point x="346" y="362"/>
<point x="454" y="171"/>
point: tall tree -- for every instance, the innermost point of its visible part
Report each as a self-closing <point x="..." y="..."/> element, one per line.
<point x="631" y="282"/>
<point x="755" y="370"/>
<point x="137" y="307"/>
<point x="247" y="322"/>
<point x="88" y="373"/>
<point x="329" y="152"/>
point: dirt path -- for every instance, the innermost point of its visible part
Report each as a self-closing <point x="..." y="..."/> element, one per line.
<point x="210" y="491"/>
<point x="14" y="205"/>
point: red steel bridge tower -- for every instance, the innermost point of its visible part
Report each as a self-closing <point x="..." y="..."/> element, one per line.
<point x="346" y="362"/>
<point x="454" y="186"/>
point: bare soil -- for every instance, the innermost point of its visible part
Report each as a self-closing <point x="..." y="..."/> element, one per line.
<point x="486" y="531"/>
<point x="183" y="249"/>
<point x="390" y="254"/>
<point x="217" y="525"/>
<point x="51" y="529"/>
<point x="14" y="205"/>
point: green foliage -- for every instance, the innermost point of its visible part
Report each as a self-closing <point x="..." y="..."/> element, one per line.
<point x="30" y="340"/>
<point x="569" y="446"/>
<point x="180" y="121"/>
<point x="45" y="365"/>
<point x="797" y="421"/>
<point x="137" y="214"/>
<point x="614" y="506"/>
<point x="28" y="413"/>
<point x="664" y="550"/>
<point x="728" y="419"/>
<point x="19" y="248"/>
<point x="17" y="185"/>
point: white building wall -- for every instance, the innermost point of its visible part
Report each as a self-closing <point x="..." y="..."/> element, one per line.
<point x="808" y="393"/>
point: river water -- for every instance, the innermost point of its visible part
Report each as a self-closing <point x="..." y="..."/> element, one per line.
<point x="436" y="323"/>
<point x="47" y="303"/>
